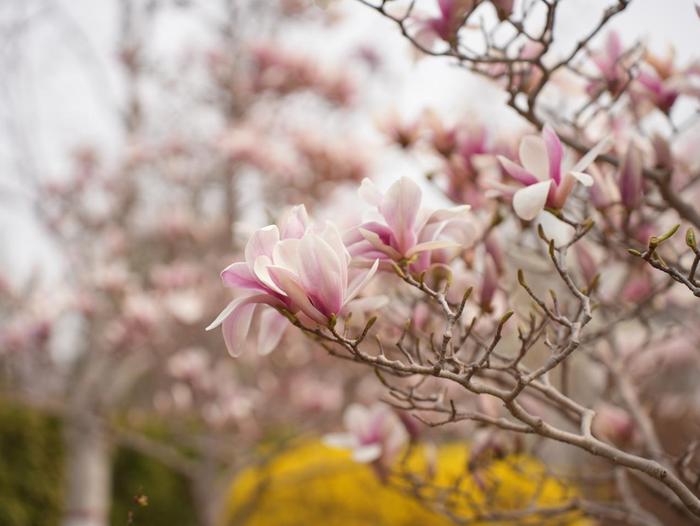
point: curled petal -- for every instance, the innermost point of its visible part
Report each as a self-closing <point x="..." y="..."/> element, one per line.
<point x="530" y="201"/>
<point x="374" y="240"/>
<point x="517" y="172"/>
<point x="360" y="283"/>
<point x="432" y="245"/>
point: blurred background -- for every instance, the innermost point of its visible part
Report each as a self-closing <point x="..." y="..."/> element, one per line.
<point x="141" y="141"/>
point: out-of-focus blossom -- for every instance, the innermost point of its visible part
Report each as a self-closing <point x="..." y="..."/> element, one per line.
<point x="546" y="183"/>
<point x="614" y="424"/>
<point x="374" y="434"/>
<point x="446" y="24"/>
<point x="403" y="231"/>
<point x="489" y="284"/>
<point x="302" y="271"/>
<point x="631" y="180"/>
<point x="504" y="8"/>
<point x="611" y="64"/>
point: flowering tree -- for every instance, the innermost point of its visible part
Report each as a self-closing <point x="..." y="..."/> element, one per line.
<point x="115" y="346"/>
<point x="555" y="303"/>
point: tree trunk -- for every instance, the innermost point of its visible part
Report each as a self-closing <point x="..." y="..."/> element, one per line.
<point x="87" y="470"/>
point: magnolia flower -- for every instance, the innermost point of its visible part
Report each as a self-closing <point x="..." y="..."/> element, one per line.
<point x="611" y="64"/>
<point x="447" y="23"/>
<point x="546" y="182"/>
<point x="293" y="268"/>
<point x="403" y="231"/>
<point x="374" y="434"/>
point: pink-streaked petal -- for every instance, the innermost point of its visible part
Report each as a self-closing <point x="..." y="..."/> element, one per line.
<point x="222" y="315"/>
<point x="517" y="172"/>
<point x="255" y="298"/>
<point x="367" y="454"/>
<point x="321" y="274"/>
<point x="533" y="156"/>
<point x="236" y="326"/>
<point x="370" y="193"/>
<point x="400" y="208"/>
<point x="239" y="275"/>
<point x="373" y="239"/>
<point x="261" y="243"/>
<point x="270" y="331"/>
<point x="289" y="283"/>
<point x="555" y="152"/>
<point x="583" y="178"/>
<point x="530" y="201"/>
<point x="294" y="223"/>
<point x="555" y="229"/>
<point x="260" y="266"/>
<point x="602" y="147"/>
<point x="361" y="281"/>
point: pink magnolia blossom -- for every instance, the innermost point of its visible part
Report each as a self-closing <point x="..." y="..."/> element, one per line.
<point x="447" y="23"/>
<point x="403" y="230"/>
<point x="610" y="64"/>
<point x="374" y="434"/>
<point x="546" y="183"/>
<point x="290" y="267"/>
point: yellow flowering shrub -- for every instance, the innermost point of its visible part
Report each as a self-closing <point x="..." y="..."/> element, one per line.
<point x="313" y="485"/>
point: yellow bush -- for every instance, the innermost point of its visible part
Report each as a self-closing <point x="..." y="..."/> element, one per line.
<point x="313" y="485"/>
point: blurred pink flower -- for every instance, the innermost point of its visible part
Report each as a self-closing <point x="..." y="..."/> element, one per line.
<point x="405" y="231"/>
<point x="374" y="434"/>
<point x="611" y="65"/>
<point x="546" y="182"/>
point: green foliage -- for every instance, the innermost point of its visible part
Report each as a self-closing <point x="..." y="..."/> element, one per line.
<point x="31" y="474"/>
<point x="167" y="499"/>
<point x="30" y="468"/>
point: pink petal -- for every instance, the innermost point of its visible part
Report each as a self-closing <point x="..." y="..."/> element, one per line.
<point x="361" y="282"/>
<point x="533" y="156"/>
<point x="432" y="245"/>
<point x="272" y="327"/>
<point x="517" y="172"/>
<point x="400" y="209"/>
<point x="289" y="283"/>
<point x="261" y="243"/>
<point x="294" y="223"/>
<point x="239" y="275"/>
<point x="530" y="201"/>
<point x="375" y="241"/>
<point x="321" y="274"/>
<point x="236" y="326"/>
<point x="555" y="152"/>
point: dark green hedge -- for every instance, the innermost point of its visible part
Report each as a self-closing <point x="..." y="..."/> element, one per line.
<point x="31" y="476"/>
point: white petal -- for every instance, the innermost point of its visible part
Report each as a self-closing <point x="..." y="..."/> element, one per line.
<point x="594" y="152"/>
<point x="369" y="192"/>
<point x="340" y="440"/>
<point x="533" y="156"/>
<point x="555" y="229"/>
<point x="583" y="178"/>
<point x="366" y="454"/>
<point x="529" y="201"/>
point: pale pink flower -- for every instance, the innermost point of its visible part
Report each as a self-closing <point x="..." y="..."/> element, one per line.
<point x="447" y="23"/>
<point x="611" y="65"/>
<point x="546" y="182"/>
<point x="403" y="231"/>
<point x="374" y="434"/>
<point x="293" y="268"/>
